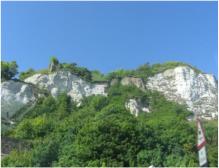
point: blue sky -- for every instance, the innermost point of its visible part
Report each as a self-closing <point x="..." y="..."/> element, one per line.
<point x="110" y="35"/>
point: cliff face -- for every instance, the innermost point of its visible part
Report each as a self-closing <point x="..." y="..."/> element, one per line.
<point x="183" y="85"/>
<point x="14" y="96"/>
<point x="64" y="81"/>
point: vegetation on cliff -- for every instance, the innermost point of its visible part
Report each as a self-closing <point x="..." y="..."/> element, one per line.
<point x="147" y="70"/>
<point x="144" y="71"/>
<point x="8" y="70"/>
<point x="102" y="132"/>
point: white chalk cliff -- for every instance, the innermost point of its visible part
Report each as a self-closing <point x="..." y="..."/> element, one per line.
<point x="183" y="85"/>
<point x="14" y="96"/>
<point x="64" y="81"/>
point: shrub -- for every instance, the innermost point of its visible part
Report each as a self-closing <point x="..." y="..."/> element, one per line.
<point x="82" y="72"/>
<point x="28" y="73"/>
<point x="54" y="60"/>
<point x="97" y="76"/>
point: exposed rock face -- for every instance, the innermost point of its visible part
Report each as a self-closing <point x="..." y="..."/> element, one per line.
<point x="183" y="85"/>
<point x="53" y="67"/>
<point x="64" y="81"/>
<point x="14" y="96"/>
<point x="114" y="82"/>
<point x="135" y="107"/>
<point x="138" y="82"/>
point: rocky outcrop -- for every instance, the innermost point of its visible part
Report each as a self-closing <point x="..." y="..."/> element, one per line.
<point x="183" y="85"/>
<point x="53" y="66"/>
<point x="138" y="82"/>
<point x="14" y="96"/>
<point x="64" y="81"/>
<point x="136" y="106"/>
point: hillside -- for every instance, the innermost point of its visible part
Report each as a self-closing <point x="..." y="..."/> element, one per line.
<point x="70" y="116"/>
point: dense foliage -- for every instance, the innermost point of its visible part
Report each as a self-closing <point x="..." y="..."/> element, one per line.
<point x="102" y="132"/>
<point x="8" y="70"/>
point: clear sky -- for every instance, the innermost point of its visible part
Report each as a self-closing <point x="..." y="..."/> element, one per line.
<point x="110" y="35"/>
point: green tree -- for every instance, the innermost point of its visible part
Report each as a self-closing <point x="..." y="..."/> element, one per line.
<point x="146" y="158"/>
<point x="63" y="105"/>
<point x="211" y="131"/>
<point x="102" y="132"/>
<point x="8" y="70"/>
<point x="45" y="153"/>
<point x="54" y="60"/>
<point x="112" y="138"/>
<point x="18" y="159"/>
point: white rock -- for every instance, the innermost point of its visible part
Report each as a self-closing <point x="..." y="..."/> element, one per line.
<point x="14" y="96"/>
<point x="145" y="109"/>
<point x="183" y="85"/>
<point x="135" y="107"/>
<point x="64" y="81"/>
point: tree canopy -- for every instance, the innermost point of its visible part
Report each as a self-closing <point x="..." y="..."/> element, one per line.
<point x="8" y="70"/>
<point x="102" y="132"/>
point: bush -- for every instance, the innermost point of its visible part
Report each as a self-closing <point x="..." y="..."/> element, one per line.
<point x="82" y="72"/>
<point x="97" y="76"/>
<point x="54" y="60"/>
<point x="118" y="74"/>
<point x="28" y="73"/>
